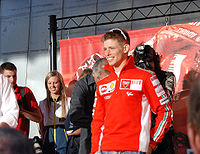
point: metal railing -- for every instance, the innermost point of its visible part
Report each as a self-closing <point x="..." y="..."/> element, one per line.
<point x="117" y="16"/>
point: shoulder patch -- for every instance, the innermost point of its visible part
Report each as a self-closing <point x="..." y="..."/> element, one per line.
<point x="159" y="91"/>
<point x="154" y="80"/>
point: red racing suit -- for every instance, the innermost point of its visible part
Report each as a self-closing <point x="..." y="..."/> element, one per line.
<point x="123" y="108"/>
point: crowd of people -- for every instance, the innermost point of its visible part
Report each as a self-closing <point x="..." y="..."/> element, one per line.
<point x="122" y="105"/>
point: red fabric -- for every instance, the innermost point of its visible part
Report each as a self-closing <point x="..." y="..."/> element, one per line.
<point x="177" y="44"/>
<point x="76" y="54"/>
<point x="121" y="108"/>
<point x="30" y="105"/>
<point x="179" y="47"/>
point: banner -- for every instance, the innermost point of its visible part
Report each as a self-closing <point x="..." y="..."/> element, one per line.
<point x="79" y="53"/>
<point x="179" y="46"/>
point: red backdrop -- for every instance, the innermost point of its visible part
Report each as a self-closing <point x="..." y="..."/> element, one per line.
<point x="179" y="46"/>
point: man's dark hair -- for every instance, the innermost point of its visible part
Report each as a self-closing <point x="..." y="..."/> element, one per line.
<point x="14" y="142"/>
<point x="7" y="66"/>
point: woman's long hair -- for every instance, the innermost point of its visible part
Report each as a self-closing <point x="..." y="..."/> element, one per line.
<point x="62" y="92"/>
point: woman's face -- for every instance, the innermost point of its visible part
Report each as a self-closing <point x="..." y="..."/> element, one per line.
<point x="53" y="85"/>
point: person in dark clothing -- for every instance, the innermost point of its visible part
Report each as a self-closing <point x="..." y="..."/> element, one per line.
<point x="146" y="57"/>
<point x="72" y="131"/>
<point x="81" y="106"/>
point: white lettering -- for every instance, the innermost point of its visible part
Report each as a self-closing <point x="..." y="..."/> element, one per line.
<point x="187" y="32"/>
<point x="129" y="93"/>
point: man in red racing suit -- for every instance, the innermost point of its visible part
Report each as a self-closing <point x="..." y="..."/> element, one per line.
<point x="124" y="101"/>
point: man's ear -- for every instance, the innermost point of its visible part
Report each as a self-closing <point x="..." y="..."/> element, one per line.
<point x="126" y="48"/>
<point x="95" y="78"/>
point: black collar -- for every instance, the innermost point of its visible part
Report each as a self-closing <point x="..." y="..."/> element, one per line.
<point x="57" y="100"/>
<point x="90" y="78"/>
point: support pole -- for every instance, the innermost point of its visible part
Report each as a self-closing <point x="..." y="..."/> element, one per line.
<point x="53" y="42"/>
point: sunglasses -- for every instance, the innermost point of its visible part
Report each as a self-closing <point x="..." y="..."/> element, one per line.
<point x="118" y="31"/>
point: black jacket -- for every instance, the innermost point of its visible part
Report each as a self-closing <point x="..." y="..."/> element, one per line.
<point x="82" y="101"/>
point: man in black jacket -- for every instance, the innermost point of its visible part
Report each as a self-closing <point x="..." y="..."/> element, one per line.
<point x="81" y="106"/>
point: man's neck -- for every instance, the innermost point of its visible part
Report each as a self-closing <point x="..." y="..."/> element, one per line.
<point x="120" y="66"/>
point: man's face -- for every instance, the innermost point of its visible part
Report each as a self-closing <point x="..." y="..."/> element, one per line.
<point x="114" y="52"/>
<point x="11" y="75"/>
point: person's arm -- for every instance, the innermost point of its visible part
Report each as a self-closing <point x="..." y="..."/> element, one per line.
<point x="9" y="106"/>
<point x="34" y="113"/>
<point x="76" y="132"/>
<point x="77" y="113"/>
<point x="160" y="105"/>
<point x="97" y="123"/>
<point x="3" y="124"/>
<point x="41" y="123"/>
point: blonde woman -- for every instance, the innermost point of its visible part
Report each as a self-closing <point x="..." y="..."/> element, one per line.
<point x="54" y="110"/>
